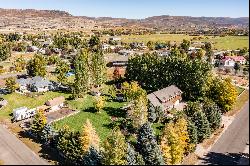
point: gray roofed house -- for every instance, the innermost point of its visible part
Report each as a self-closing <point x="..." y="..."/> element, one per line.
<point x="34" y="84"/>
<point x="166" y="98"/>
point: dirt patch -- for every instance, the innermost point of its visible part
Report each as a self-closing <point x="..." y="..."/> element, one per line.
<point x="190" y="159"/>
<point x="53" y="116"/>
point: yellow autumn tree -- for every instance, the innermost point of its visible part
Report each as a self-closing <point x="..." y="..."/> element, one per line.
<point x="174" y="141"/>
<point x="89" y="137"/>
<point x="99" y="103"/>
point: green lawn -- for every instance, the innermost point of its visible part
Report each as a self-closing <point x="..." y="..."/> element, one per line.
<point x="100" y="120"/>
<point x="16" y="100"/>
<point x="239" y="90"/>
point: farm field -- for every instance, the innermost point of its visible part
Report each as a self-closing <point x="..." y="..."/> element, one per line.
<point x="224" y="43"/>
<point x="101" y="121"/>
<point x="16" y="100"/>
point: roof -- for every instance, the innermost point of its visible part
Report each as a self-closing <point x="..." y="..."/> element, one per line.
<point x="235" y="58"/>
<point x="35" y="81"/>
<point x="158" y="97"/>
<point x="19" y="109"/>
<point x="55" y="101"/>
<point x="3" y="102"/>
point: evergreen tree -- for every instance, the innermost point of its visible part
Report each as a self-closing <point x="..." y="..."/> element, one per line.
<point x="115" y="149"/>
<point x="82" y="74"/>
<point x="99" y="103"/>
<point x="69" y="144"/>
<point x="213" y="114"/>
<point x="147" y="146"/>
<point x="202" y="124"/>
<point x="48" y="134"/>
<point x="5" y="52"/>
<point x="92" y="157"/>
<point x="192" y="133"/>
<point x="133" y="157"/>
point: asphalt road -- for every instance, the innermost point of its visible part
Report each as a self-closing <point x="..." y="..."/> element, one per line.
<point x="3" y="76"/>
<point x="228" y="150"/>
<point x="15" y="152"/>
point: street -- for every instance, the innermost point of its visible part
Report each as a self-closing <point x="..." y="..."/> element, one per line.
<point x="231" y="146"/>
<point x="15" y="152"/>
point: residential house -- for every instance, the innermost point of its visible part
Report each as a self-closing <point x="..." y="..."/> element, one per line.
<point x="3" y="102"/>
<point x="229" y="61"/>
<point x="34" y="84"/>
<point x="56" y="103"/>
<point x="166" y="98"/>
<point x="114" y="38"/>
<point x="125" y="52"/>
<point x="164" y="53"/>
<point x="32" y="48"/>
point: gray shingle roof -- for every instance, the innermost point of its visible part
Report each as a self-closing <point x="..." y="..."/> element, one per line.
<point x="36" y="81"/>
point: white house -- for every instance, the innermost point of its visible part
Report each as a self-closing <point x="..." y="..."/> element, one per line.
<point x="105" y="46"/>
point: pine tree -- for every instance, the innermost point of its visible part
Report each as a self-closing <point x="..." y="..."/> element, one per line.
<point x="213" y="113"/>
<point x="192" y="133"/>
<point x="147" y="146"/>
<point x="133" y="157"/>
<point x="38" y="123"/>
<point x="48" y="134"/>
<point x="89" y="138"/>
<point x="69" y="144"/>
<point x="61" y="69"/>
<point x="92" y="157"/>
<point x="115" y="149"/>
<point x="82" y="74"/>
<point x="202" y="124"/>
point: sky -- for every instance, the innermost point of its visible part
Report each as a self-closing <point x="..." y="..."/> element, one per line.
<point x="137" y="9"/>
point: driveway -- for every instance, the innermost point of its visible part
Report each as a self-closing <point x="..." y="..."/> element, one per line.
<point x="232" y="145"/>
<point x="15" y="152"/>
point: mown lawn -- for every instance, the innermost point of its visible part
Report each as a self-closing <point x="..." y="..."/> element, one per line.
<point x="16" y="100"/>
<point x="239" y="90"/>
<point x="101" y="121"/>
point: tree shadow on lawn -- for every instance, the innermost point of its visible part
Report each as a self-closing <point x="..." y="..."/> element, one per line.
<point x="214" y="158"/>
<point x="46" y="152"/>
<point x="116" y="112"/>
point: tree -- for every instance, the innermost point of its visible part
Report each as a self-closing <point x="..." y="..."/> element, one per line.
<point x="99" y="103"/>
<point x="38" y="123"/>
<point x="62" y="69"/>
<point x="11" y="84"/>
<point x="53" y="59"/>
<point x="185" y="44"/>
<point x="112" y="91"/>
<point x="20" y="64"/>
<point x="5" y="52"/>
<point x="94" y="41"/>
<point x="223" y="93"/>
<point x="37" y="66"/>
<point x="150" y="45"/>
<point x="147" y="146"/>
<point x="174" y="141"/>
<point x="92" y="157"/>
<point x="200" y="53"/>
<point x="69" y="144"/>
<point x="115" y="149"/>
<point x="82" y="74"/>
<point x="98" y="68"/>
<point x="48" y="134"/>
<point x="202" y="124"/>
<point x="155" y="114"/>
<point x="117" y="73"/>
<point x="89" y="138"/>
<point x="192" y="133"/>
<point x="213" y="113"/>
<point x="236" y="67"/>
<point x="133" y="157"/>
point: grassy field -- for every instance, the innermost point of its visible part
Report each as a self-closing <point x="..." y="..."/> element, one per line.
<point x="16" y="100"/>
<point x="227" y="42"/>
<point x="100" y="120"/>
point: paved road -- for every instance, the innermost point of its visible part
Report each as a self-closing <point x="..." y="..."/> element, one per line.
<point x="233" y="142"/>
<point x="15" y="152"/>
<point x="11" y="75"/>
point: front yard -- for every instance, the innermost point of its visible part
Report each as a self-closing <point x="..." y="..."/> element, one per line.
<point x="100" y="121"/>
<point x="16" y="100"/>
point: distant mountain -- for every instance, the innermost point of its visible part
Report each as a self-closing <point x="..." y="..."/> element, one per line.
<point x="56" y="19"/>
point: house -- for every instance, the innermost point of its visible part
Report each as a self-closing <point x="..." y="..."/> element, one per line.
<point x="125" y="52"/>
<point x="230" y="61"/>
<point x="114" y="38"/>
<point x="166" y="98"/>
<point x="56" y="103"/>
<point x="34" y="84"/>
<point x="32" y="48"/>
<point x="105" y="46"/>
<point x="23" y="113"/>
<point x="164" y="53"/>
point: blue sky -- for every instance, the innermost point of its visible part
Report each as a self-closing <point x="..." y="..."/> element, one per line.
<point x="137" y="8"/>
